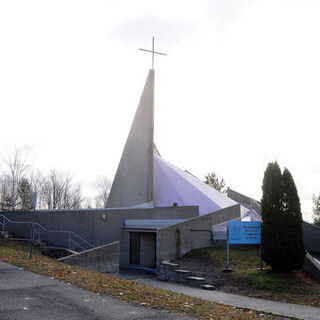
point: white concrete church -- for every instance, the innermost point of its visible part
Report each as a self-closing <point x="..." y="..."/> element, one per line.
<point x="155" y="210"/>
<point x="145" y="180"/>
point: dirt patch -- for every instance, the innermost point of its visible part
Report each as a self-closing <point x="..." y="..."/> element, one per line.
<point x="55" y="253"/>
<point x="298" y="287"/>
<point x="203" y="266"/>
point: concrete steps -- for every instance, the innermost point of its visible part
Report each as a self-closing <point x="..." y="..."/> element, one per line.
<point x="196" y="281"/>
<point x="208" y="287"/>
<point x="183" y="272"/>
<point x="171" y="272"/>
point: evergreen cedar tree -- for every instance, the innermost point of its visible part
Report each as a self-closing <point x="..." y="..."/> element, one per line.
<point x="282" y="236"/>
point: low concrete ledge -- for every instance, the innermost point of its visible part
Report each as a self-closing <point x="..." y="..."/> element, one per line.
<point x="104" y="258"/>
<point x="311" y="265"/>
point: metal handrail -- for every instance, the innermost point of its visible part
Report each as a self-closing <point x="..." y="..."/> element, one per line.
<point x="42" y="229"/>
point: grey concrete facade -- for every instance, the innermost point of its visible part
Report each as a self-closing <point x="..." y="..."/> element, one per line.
<point x="311" y="236"/>
<point x="104" y="258"/>
<point x="245" y="200"/>
<point x="133" y="182"/>
<point x="99" y="227"/>
<point x="238" y="197"/>
<point x="176" y="240"/>
<point x="311" y="265"/>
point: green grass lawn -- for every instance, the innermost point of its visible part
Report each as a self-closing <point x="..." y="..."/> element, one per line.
<point x="298" y="287"/>
<point x="17" y="253"/>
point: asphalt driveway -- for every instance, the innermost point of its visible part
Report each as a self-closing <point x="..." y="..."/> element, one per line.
<point x="29" y="296"/>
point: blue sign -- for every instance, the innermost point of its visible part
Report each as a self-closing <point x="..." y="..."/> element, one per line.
<point x="244" y="232"/>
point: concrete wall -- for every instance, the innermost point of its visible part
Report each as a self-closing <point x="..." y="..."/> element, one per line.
<point x="90" y="224"/>
<point x="312" y="266"/>
<point x="104" y="258"/>
<point x="176" y="240"/>
<point x="241" y="198"/>
<point x="133" y="182"/>
<point x="238" y="197"/>
<point x="311" y="236"/>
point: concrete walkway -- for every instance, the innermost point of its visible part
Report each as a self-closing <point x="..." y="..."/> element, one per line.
<point x="25" y="295"/>
<point x="277" y="308"/>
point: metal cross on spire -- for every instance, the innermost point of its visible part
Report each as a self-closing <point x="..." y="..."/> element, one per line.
<point x="153" y="52"/>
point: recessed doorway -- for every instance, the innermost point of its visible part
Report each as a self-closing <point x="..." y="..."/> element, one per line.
<point x="135" y="248"/>
<point x="143" y="249"/>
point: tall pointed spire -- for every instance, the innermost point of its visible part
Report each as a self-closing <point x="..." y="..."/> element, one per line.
<point x="133" y="182"/>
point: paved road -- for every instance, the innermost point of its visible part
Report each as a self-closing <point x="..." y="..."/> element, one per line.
<point x="278" y="308"/>
<point x="28" y="296"/>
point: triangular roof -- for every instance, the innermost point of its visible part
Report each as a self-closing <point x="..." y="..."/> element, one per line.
<point x="173" y="185"/>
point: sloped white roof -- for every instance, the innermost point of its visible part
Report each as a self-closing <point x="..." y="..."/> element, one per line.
<point x="173" y="185"/>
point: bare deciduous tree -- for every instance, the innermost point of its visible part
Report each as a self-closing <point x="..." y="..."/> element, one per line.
<point x="16" y="167"/>
<point x="87" y="203"/>
<point x="58" y="191"/>
<point x="103" y="186"/>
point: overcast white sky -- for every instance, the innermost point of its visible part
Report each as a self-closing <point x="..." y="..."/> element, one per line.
<point x="239" y="87"/>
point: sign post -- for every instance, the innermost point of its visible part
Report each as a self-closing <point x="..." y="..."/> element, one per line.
<point x="243" y="232"/>
<point x="261" y="253"/>
<point x="228" y="254"/>
<point x="34" y="200"/>
<point x="228" y="251"/>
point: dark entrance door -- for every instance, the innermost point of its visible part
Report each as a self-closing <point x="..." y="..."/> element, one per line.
<point x="148" y="249"/>
<point x="134" y="247"/>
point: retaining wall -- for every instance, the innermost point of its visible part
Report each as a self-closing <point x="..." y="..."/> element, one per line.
<point x="312" y="266"/>
<point x="241" y="198"/>
<point x="176" y="240"/>
<point x="104" y="258"/>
